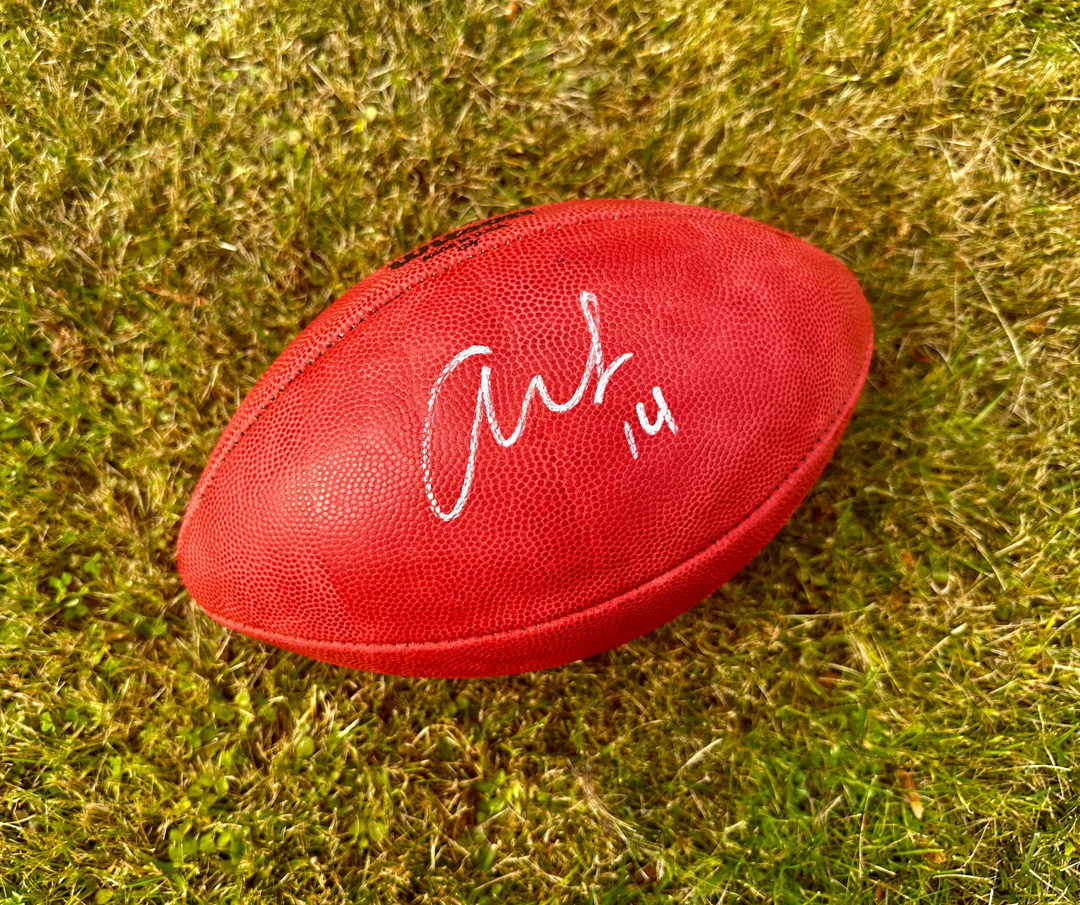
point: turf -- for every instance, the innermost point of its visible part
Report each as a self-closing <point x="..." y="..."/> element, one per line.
<point x="881" y="708"/>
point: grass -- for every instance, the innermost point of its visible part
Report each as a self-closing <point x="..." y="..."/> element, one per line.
<point x="881" y="708"/>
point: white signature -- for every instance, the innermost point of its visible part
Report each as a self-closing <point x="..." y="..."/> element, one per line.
<point x="485" y="410"/>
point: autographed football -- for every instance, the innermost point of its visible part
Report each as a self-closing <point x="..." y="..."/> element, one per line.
<point x="529" y="441"/>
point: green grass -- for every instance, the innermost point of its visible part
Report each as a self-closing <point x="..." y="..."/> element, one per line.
<point x="183" y="186"/>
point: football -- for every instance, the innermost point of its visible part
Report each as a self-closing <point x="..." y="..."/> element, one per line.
<point x="529" y="440"/>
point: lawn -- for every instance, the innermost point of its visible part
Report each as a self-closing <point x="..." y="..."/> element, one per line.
<point x="881" y="708"/>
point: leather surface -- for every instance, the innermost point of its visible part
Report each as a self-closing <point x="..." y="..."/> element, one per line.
<point x="380" y="500"/>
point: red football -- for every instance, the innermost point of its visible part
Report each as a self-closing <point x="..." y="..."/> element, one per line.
<point x="529" y="440"/>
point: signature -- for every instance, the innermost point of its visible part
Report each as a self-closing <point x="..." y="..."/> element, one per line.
<point x="485" y="410"/>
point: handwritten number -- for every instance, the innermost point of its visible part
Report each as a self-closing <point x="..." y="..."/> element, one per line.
<point x="663" y="415"/>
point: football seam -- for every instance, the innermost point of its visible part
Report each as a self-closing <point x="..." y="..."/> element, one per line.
<point x="701" y="213"/>
<point x="449" y="643"/>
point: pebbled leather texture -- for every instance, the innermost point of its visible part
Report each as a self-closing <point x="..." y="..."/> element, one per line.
<point x="384" y="498"/>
